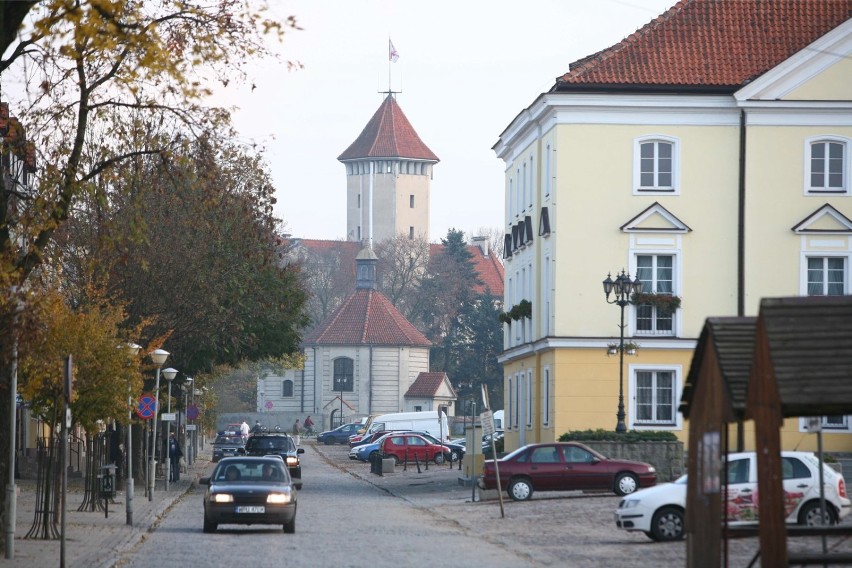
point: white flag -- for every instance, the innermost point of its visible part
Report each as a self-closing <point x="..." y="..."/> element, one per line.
<point x="392" y="53"/>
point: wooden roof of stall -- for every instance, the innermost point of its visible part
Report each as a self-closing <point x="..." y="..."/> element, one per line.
<point x="732" y="338"/>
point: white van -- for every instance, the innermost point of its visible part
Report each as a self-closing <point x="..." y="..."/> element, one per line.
<point x="425" y="421"/>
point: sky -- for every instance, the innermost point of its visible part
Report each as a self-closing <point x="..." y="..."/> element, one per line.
<point x="465" y="70"/>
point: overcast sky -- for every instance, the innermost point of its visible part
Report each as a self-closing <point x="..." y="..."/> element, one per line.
<point x="465" y="70"/>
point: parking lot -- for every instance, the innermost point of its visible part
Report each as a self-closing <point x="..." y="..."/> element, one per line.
<point x="552" y="529"/>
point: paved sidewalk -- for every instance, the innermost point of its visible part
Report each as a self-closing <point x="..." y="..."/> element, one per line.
<point x="92" y="539"/>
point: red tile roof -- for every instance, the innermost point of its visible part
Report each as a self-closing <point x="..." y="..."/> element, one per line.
<point x="489" y="269"/>
<point x="366" y="317"/>
<point x="426" y="385"/>
<point x="388" y="135"/>
<point x="719" y="44"/>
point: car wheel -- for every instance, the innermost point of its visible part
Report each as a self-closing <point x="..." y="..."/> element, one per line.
<point x="520" y="489"/>
<point x="667" y="524"/>
<point x="626" y="483"/>
<point x="210" y="527"/>
<point x="455" y="456"/>
<point x="439" y="459"/>
<point x="809" y="514"/>
<point x="290" y="527"/>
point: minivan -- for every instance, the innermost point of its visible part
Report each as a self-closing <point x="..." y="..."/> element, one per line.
<point x="424" y="421"/>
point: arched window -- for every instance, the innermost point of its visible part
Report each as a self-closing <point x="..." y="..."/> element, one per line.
<point x="344" y="379"/>
<point x="287" y="389"/>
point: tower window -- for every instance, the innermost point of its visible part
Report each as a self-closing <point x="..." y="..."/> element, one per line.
<point x="411" y="232"/>
<point x="411" y="201"/>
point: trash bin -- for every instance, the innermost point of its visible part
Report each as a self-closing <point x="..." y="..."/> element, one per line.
<point x="107" y="476"/>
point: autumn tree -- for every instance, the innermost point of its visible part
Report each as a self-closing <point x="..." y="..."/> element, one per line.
<point x="402" y="265"/>
<point x="94" y="72"/>
<point x="329" y="275"/>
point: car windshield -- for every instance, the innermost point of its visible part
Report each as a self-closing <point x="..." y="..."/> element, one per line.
<point x="229" y="440"/>
<point x="251" y="471"/>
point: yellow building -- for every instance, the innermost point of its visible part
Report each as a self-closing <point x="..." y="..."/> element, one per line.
<point x="707" y="154"/>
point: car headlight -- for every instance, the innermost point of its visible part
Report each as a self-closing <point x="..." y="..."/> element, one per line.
<point x="292" y="461"/>
<point x="223" y="498"/>
<point x="652" y="469"/>
<point x="629" y="503"/>
<point x="279" y="498"/>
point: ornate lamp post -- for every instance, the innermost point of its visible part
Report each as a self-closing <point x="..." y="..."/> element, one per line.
<point x="133" y="350"/>
<point x="169" y="374"/>
<point x="159" y="358"/>
<point x="623" y="288"/>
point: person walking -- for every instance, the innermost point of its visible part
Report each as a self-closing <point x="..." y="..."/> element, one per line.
<point x="309" y="425"/>
<point x="244" y="430"/>
<point x="175" y="454"/>
<point x="297" y="431"/>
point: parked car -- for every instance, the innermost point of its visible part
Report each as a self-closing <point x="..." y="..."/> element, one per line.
<point x="228" y="445"/>
<point x="366" y="452"/>
<point x="411" y="447"/>
<point x="339" y="435"/>
<point x="564" y="466"/>
<point x="248" y="491"/>
<point x="367" y="438"/>
<point x="659" y="511"/>
<point x="278" y="443"/>
<point x="456" y="449"/>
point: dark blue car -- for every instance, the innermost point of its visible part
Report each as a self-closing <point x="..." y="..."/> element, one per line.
<point x="339" y="435"/>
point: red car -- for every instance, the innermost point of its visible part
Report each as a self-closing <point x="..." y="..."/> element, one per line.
<point x="402" y="447"/>
<point x="564" y="466"/>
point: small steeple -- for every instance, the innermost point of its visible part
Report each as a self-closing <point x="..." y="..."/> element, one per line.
<point x="365" y="269"/>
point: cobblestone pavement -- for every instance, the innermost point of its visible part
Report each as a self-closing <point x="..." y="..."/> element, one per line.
<point x="571" y="529"/>
<point x="92" y="538"/>
<point x="553" y="529"/>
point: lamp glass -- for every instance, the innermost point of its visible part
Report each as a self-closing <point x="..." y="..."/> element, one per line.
<point x="169" y="374"/>
<point x="159" y="357"/>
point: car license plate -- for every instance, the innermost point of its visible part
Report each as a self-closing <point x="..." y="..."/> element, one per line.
<point x="251" y="509"/>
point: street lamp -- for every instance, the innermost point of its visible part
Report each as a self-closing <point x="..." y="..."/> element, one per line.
<point x="623" y="288"/>
<point x="133" y="350"/>
<point x="169" y="374"/>
<point x="186" y="435"/>
<point x="159" y="358"/>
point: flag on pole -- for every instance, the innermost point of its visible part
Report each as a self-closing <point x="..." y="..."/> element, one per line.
<point x="392" y="53"/>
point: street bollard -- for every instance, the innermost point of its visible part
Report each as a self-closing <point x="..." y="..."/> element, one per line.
<point x="417" y="462"/>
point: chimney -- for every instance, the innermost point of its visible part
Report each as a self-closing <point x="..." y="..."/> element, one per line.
<point x="482" y="243"/>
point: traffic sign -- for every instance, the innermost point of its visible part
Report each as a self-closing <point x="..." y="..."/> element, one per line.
<point x="168" y="416"/>
<point x="191" y="412"/>
<point x="147" y="408"/>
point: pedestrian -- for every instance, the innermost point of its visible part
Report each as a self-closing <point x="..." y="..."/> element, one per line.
<point x="256" y="429"/>
<point x="244" y="429"/>
<point x="309" y="425"/>
<point x="175" y="454"/>
<point x="297" y="430"/>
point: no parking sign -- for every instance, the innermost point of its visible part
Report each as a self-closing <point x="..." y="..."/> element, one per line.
<point x="147" y="408"/>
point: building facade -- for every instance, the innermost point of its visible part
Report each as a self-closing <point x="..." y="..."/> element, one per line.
<point x="717" y="179"/>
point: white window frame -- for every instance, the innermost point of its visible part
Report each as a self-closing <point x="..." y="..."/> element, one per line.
<point x="845" y="428"/>
<point x="847" y="271"/>
<point x="516" y="419"/>
<point x="547" y="174"/>
<point x="676" y="280"/>
<point x="545" y="397"/>
<point x="845" y="168"/>
<point x="530" y="399"/>
<point x="638" y="188"/>
<point x="677" y="370"/>
<point x="532" y="184"/>
<point x="510" y="406"/>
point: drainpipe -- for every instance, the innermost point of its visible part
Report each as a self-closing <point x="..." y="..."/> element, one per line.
<point x="741" y="248"/>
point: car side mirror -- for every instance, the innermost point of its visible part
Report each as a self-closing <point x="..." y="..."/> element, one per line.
<point x="300" y="451"/>
<point x="241" y="451"/>
<point x="595" y="461"/>
<point x="204" y="481"/>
